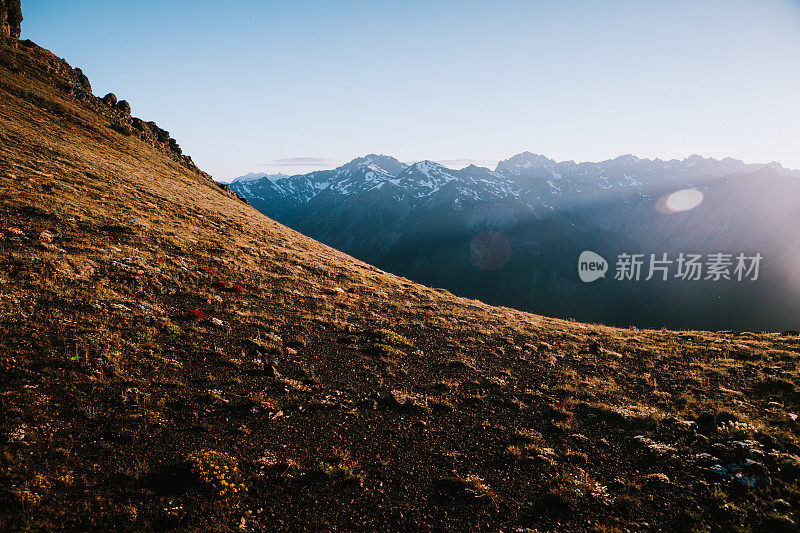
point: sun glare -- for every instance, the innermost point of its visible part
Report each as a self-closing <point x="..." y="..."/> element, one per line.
<point x="683" y="200"/>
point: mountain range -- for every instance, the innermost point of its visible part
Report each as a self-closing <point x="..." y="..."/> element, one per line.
<point x="512" y="235"/>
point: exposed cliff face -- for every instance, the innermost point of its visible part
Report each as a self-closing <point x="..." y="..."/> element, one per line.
<point x="10" y="18"/>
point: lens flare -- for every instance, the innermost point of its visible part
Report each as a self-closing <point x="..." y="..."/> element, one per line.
<point x="679" y="201"/>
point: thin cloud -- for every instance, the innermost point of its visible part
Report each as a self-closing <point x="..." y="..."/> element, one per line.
<point x="461" y="163"/>
<point x="301" y="162"/>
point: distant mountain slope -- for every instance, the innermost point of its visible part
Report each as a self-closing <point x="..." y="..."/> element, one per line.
<point x="422" y="221"/>
<point x="254" y="176"/>
<point x="171" y="359"/>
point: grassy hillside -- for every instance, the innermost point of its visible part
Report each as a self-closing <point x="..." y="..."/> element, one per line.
<point x="170" y="358"/>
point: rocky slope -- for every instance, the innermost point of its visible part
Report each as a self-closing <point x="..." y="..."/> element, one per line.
<point x="171" y="359"/>
<point x="430" y="223"/>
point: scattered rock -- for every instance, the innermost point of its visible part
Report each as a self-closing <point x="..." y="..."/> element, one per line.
<point x="706" y="458"/>
<point x="745" y="480"/>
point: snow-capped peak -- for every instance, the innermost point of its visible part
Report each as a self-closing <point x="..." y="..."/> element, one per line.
<point x="524" y="161"/>
<point x="627" y="159"/>
<point x="377" y="163"/>
<point x="429" y="167"/>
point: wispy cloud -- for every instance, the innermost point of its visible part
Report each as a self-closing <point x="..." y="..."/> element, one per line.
<point x="461" y="163"/>
<point x="302" y="162"/>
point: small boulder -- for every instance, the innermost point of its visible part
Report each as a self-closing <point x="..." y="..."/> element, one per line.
<point x="110" y="99"/>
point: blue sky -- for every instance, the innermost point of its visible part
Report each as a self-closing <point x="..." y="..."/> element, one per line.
<point x="295" y="85"/>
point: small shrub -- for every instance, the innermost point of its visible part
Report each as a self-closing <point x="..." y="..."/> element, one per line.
<point x="121" y="128"/>
<point x="386" y="336"/>
<point x="9" y="364"/>
<point x="270" y="345"/>
<point x="557" y="414"/>
<point x="467" y="488"/>
<point x="736" y="430"/>
<point x="388" y="351"/>
<point x="341" y="468"/>
<point x="218" y="472"/>
<point x="578" y="458"/>
<point x="626" y="504"/>
<point x="172" y="329"/>
<point x="197" y="314"/>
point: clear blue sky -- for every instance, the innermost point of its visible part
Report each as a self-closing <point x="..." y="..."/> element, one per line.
<point x="295" y="85"/>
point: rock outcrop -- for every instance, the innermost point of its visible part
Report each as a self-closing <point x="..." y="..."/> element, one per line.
<point x="124" y="106"/>
<point x="10" y="18"/>
<point x="30" y="60"/>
